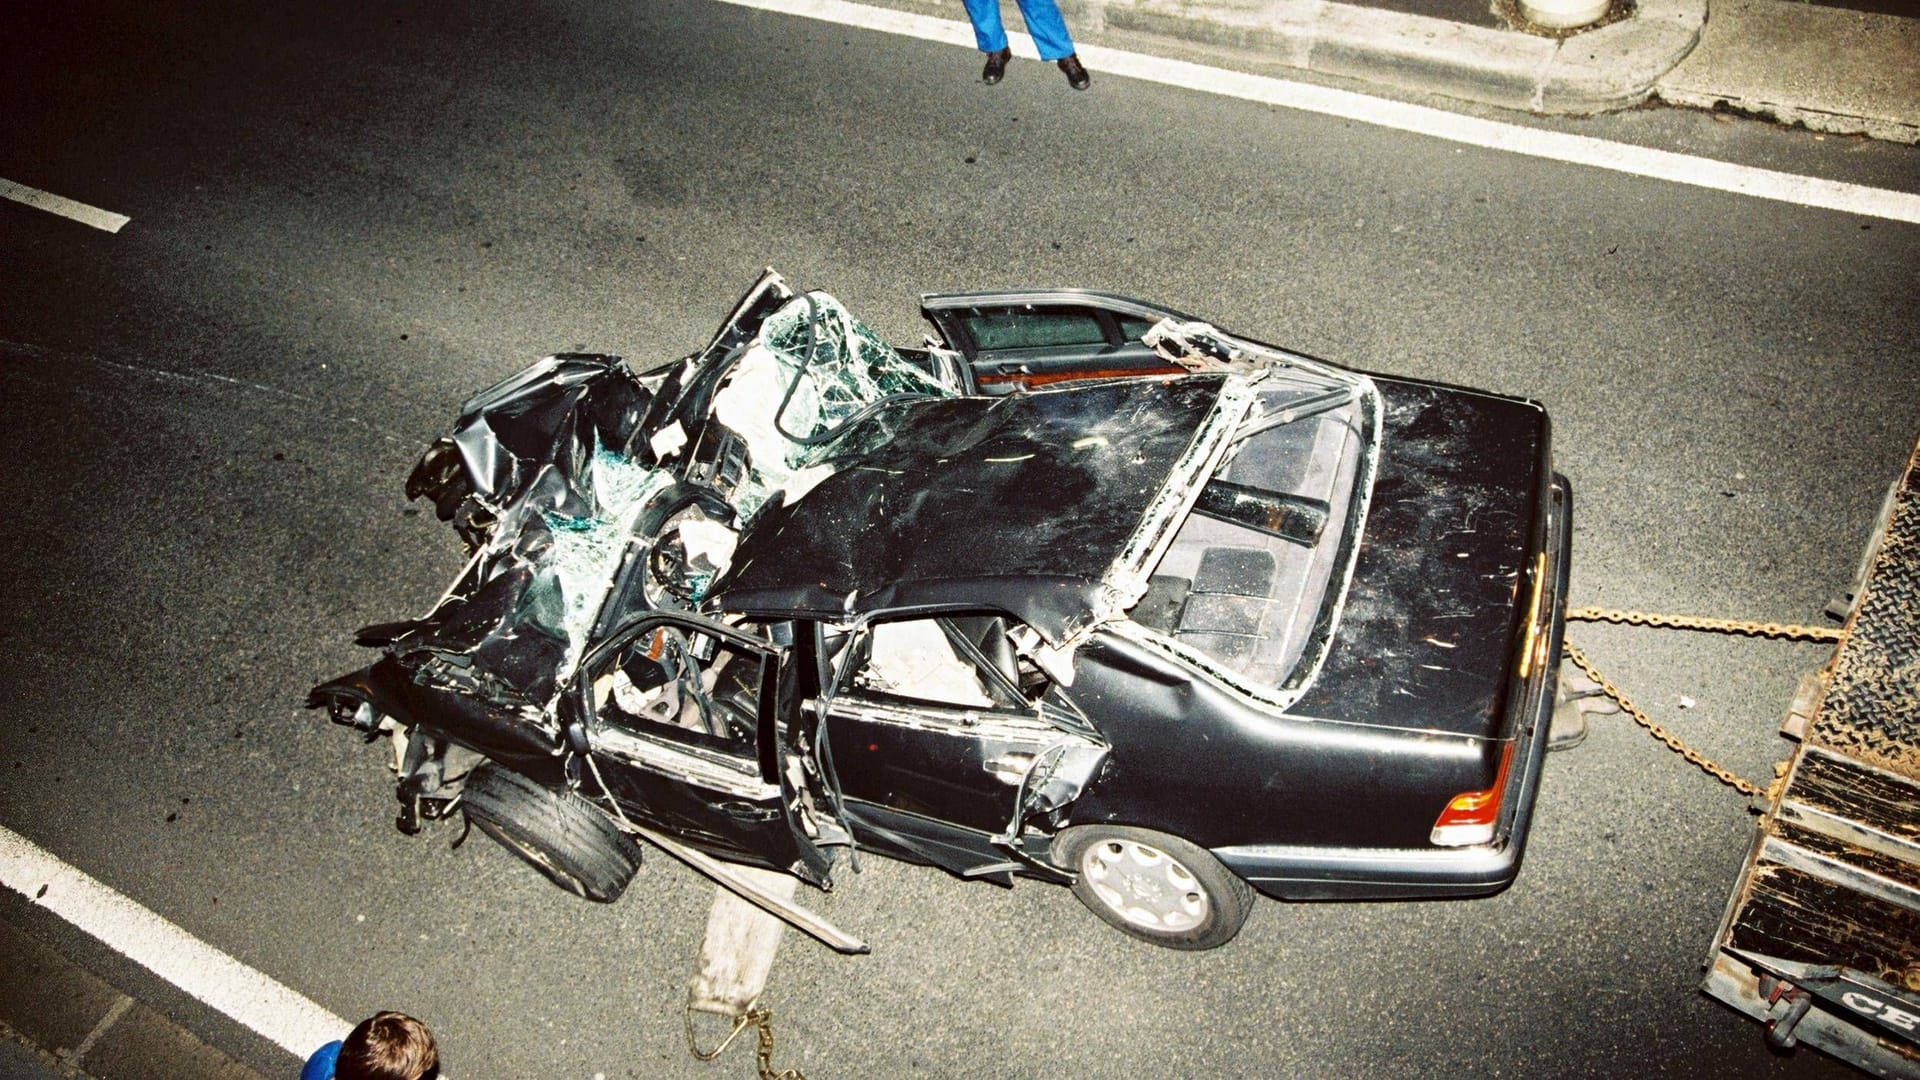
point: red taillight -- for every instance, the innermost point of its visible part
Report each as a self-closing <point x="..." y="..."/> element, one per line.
<point x="1471" y="815"/>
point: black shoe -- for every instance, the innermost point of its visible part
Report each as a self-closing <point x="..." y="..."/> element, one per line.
<point x="996" y="68"/>
<point x="1077" y="76"/>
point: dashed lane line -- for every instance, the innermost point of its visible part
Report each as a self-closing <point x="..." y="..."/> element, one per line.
<point x="282" y="1016"/>
<point x="1400" y="116"/>
<point x="65" y="207"/>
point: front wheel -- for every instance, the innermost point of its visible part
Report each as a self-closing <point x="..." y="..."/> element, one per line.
<point x="559" y="833"/>
<point x="1155" y="887"/>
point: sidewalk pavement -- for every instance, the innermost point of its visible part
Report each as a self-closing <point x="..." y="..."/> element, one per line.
<point x="1828" y="68"/>
<point x="59" y="1020"/>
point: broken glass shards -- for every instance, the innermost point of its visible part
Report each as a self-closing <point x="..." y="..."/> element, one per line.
<point x="844" y="367"/>
<point x="522" y="612"/>
<point x="555" y="413"/>
<point x="811" y="369"/>
<point x="585" y="550"/>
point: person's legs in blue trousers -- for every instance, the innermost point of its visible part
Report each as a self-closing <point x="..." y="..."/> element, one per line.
<point x="1048" y="29"/>
<point x="987" y="30"/>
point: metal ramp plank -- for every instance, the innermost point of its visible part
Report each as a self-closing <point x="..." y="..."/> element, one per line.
<point x="1821" y="940"/>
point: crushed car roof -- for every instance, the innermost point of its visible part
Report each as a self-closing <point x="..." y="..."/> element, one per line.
<point x="1022" y="503"/>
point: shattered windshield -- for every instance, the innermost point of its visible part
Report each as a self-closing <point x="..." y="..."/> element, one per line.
<point x="840" y="367"/>
<point x="810" y="372"/>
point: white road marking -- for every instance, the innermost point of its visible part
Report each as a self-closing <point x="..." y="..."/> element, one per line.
<point x="1400" y="116"/>
<point x="65" y="207"/>
<point x="281" y="1015"/>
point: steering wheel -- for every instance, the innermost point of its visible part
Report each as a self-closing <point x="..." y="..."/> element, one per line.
<point x="674" y="578"/>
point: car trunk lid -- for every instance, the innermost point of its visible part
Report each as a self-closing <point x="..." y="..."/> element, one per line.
<point x="1444" y="609"/>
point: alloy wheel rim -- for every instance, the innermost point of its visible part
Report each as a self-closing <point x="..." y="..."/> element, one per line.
<point x="1145" y="886"/>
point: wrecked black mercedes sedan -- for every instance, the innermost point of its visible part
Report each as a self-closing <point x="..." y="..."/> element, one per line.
<point x="1081" y="589"/>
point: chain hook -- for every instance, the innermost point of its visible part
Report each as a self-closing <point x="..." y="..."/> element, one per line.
<point x="755" y="1017"/>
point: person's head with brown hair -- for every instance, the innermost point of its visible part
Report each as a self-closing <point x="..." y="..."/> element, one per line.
<point x="388" y="1046"/>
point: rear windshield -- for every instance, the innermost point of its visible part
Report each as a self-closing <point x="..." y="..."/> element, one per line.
<point x="1247" y="575"/>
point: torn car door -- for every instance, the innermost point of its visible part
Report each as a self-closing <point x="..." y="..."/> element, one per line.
<point x="683" y="718"/>
<point x="937" y="747"/>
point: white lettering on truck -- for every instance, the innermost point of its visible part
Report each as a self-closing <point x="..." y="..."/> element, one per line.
<point x="1888" y="1014"/>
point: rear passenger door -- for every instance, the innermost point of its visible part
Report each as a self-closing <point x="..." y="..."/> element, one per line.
<point x="1025" y="340"/>
<point x="946" y="743"/>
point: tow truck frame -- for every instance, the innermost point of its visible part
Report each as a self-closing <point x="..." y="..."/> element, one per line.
<point x="1821" y="936"/>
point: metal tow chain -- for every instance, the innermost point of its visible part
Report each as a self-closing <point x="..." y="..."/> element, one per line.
<point x="1786" y="631"/>
<point x="1672" y="741"/>
<point x="1783" y="631"/>
<point x="762" y="1020"/>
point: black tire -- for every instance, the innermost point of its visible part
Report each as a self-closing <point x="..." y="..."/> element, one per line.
<point x="558" y="833"/>
<point x="1154" y="887"/>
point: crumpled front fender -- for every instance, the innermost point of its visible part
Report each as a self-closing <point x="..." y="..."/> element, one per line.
<point x="501" y="733"/>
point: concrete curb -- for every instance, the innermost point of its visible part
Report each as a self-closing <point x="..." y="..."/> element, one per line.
<point x="1827" y="69"/>
<point x="1832" y="123"/>
<point x="1609" y="68"/>
<point x="1618" y="65"/>
<point x="1612" y="67"/>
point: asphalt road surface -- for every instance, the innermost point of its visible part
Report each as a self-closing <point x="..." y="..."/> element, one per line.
<point x="344" y="221"/>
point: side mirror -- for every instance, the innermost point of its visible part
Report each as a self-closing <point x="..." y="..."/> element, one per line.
<point x="575" y="734"/>
<point x="574" y="743"/>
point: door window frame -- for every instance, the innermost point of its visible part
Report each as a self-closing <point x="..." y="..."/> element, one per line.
<point x="762" y="754"/>
<point x="1013" y="367"/>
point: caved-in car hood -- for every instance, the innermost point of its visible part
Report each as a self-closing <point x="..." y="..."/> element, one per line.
<point x="541" y="472"/>
<point x="1025" y="502"/>
<point x="1428" y="638"/>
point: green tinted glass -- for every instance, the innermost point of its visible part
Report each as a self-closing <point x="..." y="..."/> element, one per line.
<point x="994" y="329"/>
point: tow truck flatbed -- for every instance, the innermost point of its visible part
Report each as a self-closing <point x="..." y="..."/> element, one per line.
<point x="1821" y="938"/>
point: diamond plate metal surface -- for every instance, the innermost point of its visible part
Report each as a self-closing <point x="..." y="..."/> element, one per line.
<point x="1872" y="706"/>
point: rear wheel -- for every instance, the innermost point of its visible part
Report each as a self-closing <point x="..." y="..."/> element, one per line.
<point x="1155" y="887"/>
<point x="560" y="834"/>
